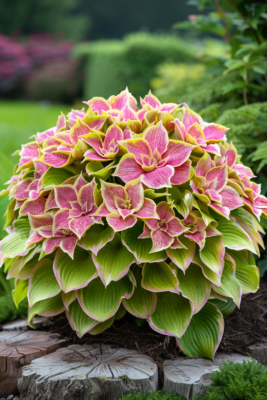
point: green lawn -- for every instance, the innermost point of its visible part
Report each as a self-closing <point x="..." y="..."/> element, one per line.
<point x="20" y="120"/>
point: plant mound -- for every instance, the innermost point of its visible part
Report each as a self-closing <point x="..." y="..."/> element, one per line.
<point x="147" y="210"/>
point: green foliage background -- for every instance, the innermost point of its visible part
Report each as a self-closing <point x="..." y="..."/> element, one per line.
<point x="232" y="89"/>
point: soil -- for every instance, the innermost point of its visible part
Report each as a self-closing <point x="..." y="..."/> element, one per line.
<point x="243" y="327"/>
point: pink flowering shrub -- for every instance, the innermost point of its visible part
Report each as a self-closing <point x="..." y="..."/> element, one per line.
<point x="146" y="210"/>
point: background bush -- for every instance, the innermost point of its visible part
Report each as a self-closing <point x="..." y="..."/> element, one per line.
<point x="112" y="65"/>
<point x="39" y="67"/>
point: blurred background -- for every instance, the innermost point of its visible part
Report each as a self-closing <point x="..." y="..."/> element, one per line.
<point x="211" y="54"/>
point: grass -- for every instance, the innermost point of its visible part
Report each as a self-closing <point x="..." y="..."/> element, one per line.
<point x="20" y="120"/>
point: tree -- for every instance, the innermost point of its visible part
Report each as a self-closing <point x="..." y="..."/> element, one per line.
<point x="47" y="16"/>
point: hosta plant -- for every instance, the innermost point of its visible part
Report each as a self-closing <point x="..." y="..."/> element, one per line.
<point x="145" y="210"/>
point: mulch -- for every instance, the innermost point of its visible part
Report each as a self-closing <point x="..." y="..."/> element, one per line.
<point x="243" y="327"/>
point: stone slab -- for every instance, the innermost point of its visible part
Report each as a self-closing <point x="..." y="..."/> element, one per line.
<point x="19" y="348"/>
<point x="259" y="352"/>
<point x="86" y="372"/>
<point x="189" y="377"/>
<point x="22" y="324"/>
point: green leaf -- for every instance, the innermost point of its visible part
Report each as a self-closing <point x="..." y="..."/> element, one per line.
<point x="95" y="168"/>
<point x="151" y="194"/>
<point x="55" y="176"/>
<point x="9" y="215"/>
<point x="159" y="277"/>
<point x="226" y="307"/>
<point x="204" y="210"/>
<point x="172" y="315"/>
<point x="183" y="257"/>
<point x="207" y="272"/>
<point x="204" y="333"/>
<point x="120" y="313"/>
<point x="193" y="285"/>
<point x="234" y="237"/>
<point x="247" y="273"/>
<point x="20" y="292"/>
<point x="96" y="237"/>
<point x="102" y="303"/>
<point x="212" y="254"/>
<point x="142" y="304"/>
<point x="233" y="64"/>
<point x="182" y="202"/>
<point x="14" y="244"/>
<point x="102" y="326"/>
<point x="232" y="86"/>
<point x="47" y="308"/>
<point x="74" y="273"/>
<point x="113" y="261"/>
<point x="249" y="278"/>
<point x="79" y="321"/>
<point x="230" y="287"/>
<point x="43" y="283"/>
<point x="68" y="298"/>
<point x="141" y="247"/>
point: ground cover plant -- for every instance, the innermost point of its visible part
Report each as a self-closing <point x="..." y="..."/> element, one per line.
<point x="147" y="210"/>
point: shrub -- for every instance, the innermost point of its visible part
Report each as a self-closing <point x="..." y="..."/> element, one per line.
<point x="113" y="64"/>
<point x="246" y="381"/>
<point x="57" y="82"/>
<point x="14" y="64"/>
<point x="39" y="67"/>
<point x="160" y="221"/>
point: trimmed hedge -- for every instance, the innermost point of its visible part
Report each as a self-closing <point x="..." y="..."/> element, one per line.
<point x="111" y="65"/>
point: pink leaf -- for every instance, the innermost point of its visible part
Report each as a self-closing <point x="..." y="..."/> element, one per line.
<point x="135" y="192"/>
<point x="61" y="220"/>
<point x="119" y="224"/>
<point x="175" y="227"/>
<point x="64" y="195"/>
<point x="181" y="174"/>
<point x="220" y="174"/>
<point x="190" y="118"/>
<point x="35" y="207"/>
<point x="161" y="240"/>
<point x="81" y="224"/>
<point x="113" y="132"/>
<point x="230" y="198"/>
<point x="177" y="153"/>
<point x="215" y="132"/>
<point x="148" y="210"/>
<point x="128" y="169"/>
<point x="159" y="178"/>
<point x="157" y="137"/>
<point x="164" y="211"/>
<point x="109" y="192"/>
<point x="137" y="147"/>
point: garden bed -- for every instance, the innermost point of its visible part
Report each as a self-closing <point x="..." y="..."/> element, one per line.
<point x="243" y="327"/>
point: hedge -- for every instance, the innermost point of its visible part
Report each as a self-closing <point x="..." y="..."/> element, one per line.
<point x="111" y="65"/>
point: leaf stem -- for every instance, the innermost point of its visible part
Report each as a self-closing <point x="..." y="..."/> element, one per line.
<point x="245" y="19"/>
<point x="245" y="97"/>
<point x="224" y="21"/>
